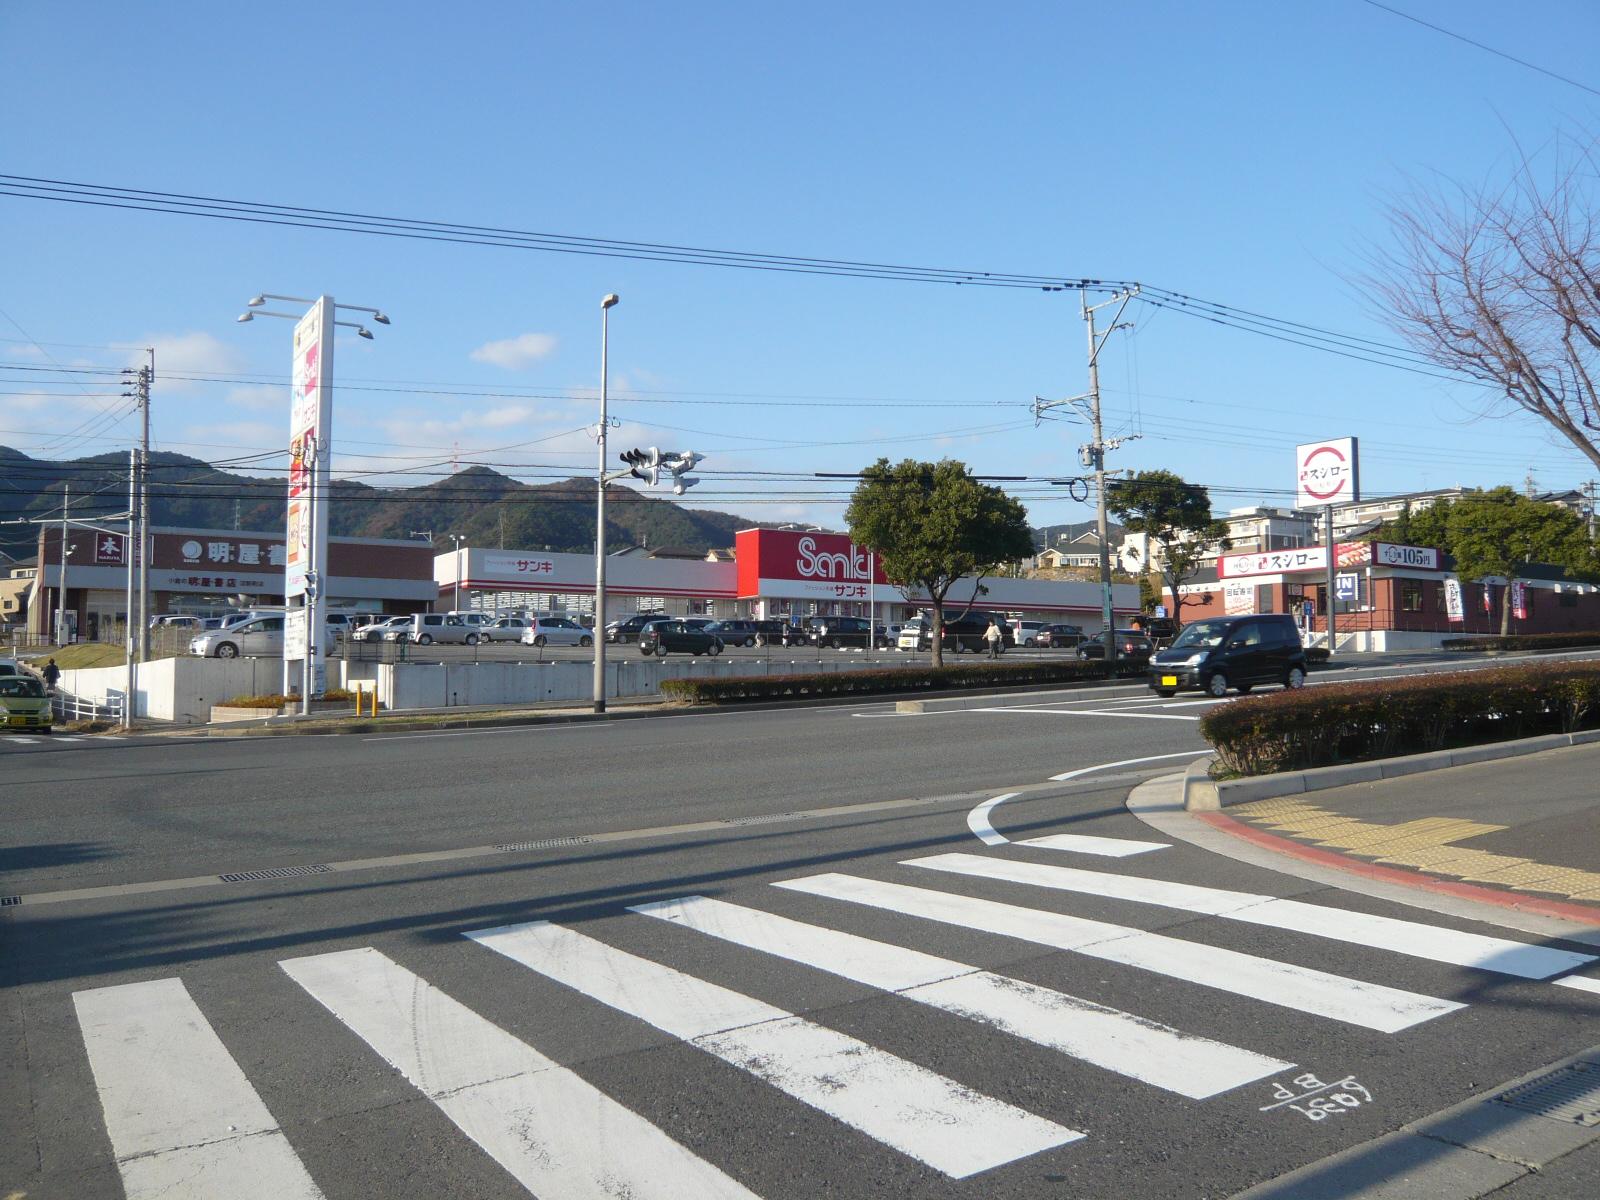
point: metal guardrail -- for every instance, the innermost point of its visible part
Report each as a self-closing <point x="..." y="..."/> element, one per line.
<point x="68" y="707"/>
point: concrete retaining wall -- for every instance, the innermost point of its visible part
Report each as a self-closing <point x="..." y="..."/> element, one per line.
<point x="181" y="690"/>
<point x="433" y="685"/>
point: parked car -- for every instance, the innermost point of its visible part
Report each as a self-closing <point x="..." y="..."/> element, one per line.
<point x="374" y="631"/>
<point x="628" y="629"/>
<point x="838" y="631"/>
<point x="556" y="631"/>
<point x="735" y="633"/>
<point x="1131" y="644"/>
<point x="505" y="629"/>
<point x="778" y="632"/>
<point x="914" y="635"/>
<point x="426" y="628"/>
<point x="255" y="637"/>
<point x="697" y="622"/>
<point x="967" y="633"/>
<point x="1160" y="630"/>
<point x="340" y="624"/>
<point x="474" y="620"/>
<point x="176" y="621"/>
<point x="1026" y="632"/>
<point x="10" y="666"/>
<point x="1217" y="653"/>
<point x="1060" y="637"/>
<point x="889" y="636"/>
<point x="678" y="637"/>
<point x="24" y="704"/>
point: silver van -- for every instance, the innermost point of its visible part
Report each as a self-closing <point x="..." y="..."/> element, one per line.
<point x="427" y="628"/>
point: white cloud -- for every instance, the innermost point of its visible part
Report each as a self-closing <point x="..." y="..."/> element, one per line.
<point x="194" y="353"/>
<point x="515" y="353"/>
<point x="260" y="397"/>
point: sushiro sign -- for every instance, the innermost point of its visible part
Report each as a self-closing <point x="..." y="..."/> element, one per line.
<point x="1327" y="473"/>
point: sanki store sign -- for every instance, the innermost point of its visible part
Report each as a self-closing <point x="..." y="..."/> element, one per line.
<point x="810" y="565"/>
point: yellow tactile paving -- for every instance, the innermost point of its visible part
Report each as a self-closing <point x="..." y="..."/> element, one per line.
<point x="1563" y="882"/>
<point x="1517" y="871"/>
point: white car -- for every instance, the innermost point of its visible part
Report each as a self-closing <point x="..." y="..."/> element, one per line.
<point x="426" y="628"/>
<point x="261" y="637"/>
<point x="1027" y="632"/>
<point x="556" y="631"/>
<point x="505" y="629"/>
<point x="374" y="631"/>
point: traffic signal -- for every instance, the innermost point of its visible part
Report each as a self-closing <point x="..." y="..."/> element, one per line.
<point x="680" y="465"/>
<point x="644" y="464"/>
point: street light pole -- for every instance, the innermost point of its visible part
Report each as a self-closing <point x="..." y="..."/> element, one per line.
<point x="456" y="538"/>
<point x="600" y="523"/>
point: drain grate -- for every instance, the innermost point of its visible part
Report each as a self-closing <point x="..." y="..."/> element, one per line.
<point x="8" y="901"/>
<point x="1569" y="1094"/>
<point x="273" y="873"/>
<point x="773" y="819"/>
<point x="545" y="843"/>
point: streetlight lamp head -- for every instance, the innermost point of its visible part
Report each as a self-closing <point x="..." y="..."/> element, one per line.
<point x="245" y="317"/>
<point x="363" y="331"/>
<point x="380" y="318"/>
<point x="611" y="298"/>
<point x="255" y="302"/>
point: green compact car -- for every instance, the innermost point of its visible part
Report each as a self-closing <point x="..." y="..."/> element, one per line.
<point x="23" y="704"/>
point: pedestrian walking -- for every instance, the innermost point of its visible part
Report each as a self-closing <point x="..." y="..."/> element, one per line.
<point x="51" y="673"/>
<point x="994" y="637"/>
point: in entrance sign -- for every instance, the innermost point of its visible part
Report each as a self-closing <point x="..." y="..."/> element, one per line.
<point x="1327" y="473"/>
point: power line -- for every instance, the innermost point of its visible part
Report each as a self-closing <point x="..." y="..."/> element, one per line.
<point x="1521" y="62"/>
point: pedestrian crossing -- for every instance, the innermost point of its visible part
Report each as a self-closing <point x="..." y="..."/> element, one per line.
<point x="184" y="1120"/>
<point x="68" y="740"/>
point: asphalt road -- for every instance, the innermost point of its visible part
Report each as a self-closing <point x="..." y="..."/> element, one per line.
<point x="337" y="1030"/>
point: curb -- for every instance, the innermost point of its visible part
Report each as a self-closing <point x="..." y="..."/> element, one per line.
<point x="1204" y="794"/>
<point x="1459" y="1153"/>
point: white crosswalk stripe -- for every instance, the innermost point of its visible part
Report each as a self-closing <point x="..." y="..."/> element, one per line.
<point x="182" y="1117"/>
<point x="556" y="1134"/>
<point x="922" y="1114"/>
<point x="1303" y="989"/>
<point x="1414" y="938"/>
<point x="1118" y="1041"/>
<point x="1105" y="847"/>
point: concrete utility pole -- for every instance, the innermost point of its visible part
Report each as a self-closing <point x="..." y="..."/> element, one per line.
<point x="1093" y="455"/>
<point x="148" y="381"/>
<point x="61" y="583"/>
<point x="600" y="523"/>
<point x="1589" y="513"/>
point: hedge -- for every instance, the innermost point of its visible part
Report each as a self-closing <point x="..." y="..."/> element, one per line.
<point x="1523" y="641"/>
<point x="1348" y="722"/>
<point x="273" y="701"/>
<point x="889" y="679"/>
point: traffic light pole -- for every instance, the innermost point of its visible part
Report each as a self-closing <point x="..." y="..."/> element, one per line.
<point x="600" y="523"/>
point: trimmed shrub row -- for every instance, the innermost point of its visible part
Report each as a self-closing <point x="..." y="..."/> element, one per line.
<point x="1350" y="722"/>
<point x="283" y="701"/>
<point x="1523" y="641"/>
<point x="889" y="679"/>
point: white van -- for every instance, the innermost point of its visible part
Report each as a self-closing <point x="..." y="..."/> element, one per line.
<point x="253" y="637"/>
<point x="1027" y="632"/>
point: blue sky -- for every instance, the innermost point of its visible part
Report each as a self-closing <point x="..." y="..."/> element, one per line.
<point x="1241" y="152"/>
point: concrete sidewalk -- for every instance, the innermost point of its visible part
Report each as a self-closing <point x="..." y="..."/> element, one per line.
<point x="1523" y="831"/>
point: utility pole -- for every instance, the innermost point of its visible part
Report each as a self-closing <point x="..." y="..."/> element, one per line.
<point x="600" y="522"/>
<point x="1589" y="513"/>
<point x="1093" y="455"/>
<point x="61" y="583"/>
<point x="144" y="506"/>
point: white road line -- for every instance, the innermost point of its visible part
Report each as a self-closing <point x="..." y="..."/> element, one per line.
<point x="183" y="1119"/>
<point x="554" y="1133"/>
<point x="1081" y="843"/>
<point x="1303" y="989"/>
<point x="22" y="741"/>
<point x="1579" y="983"/>
<point x="978" y="821"/>
<point x="1085" y="712"/>
<point x="1107" y="1037"/>
<point x="1412" y="938"/>
<point x="924" y="1115"/>
<point x="1126" y="762"/>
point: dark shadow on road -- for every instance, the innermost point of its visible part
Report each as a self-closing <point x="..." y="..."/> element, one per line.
<point x="49" y="854"/>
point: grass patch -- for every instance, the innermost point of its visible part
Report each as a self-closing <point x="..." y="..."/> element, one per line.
<point x="1524" y="641"/>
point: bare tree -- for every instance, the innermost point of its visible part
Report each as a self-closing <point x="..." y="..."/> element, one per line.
<point x="1503" y="285"/>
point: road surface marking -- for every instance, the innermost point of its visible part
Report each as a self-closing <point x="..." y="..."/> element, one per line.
<point x="1126" y="762"/>
<point x="1087" y="712"/>
<point x="1304" y="989"/>
<point x="1080" y="843"/>
<point x="554" y="1133"/>
<point x="1580" y="983"/>
<point x="1157" y="1054"/>
<point x="22" y="741"/>
<point x="182" y="1117"/>
<point x="978" y="820"/>
<point x="1413" y="938"/>
<point x="924" y="1115"/>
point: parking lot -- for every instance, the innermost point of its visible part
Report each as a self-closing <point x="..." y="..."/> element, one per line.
<point x="515" y="652"/>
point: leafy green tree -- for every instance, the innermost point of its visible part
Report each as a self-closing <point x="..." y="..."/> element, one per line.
<point x="1499" y="532"/>
<point x="1176" y="518"/>
<point x="931" y="524"/>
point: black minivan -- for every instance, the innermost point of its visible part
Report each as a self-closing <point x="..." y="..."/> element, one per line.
<point x="1219" y="653"/>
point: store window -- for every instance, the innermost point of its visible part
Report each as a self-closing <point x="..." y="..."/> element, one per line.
<point x="1410" y="596"/>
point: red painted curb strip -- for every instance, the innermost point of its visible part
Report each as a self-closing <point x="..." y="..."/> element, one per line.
<point x="1582" y="913"/>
